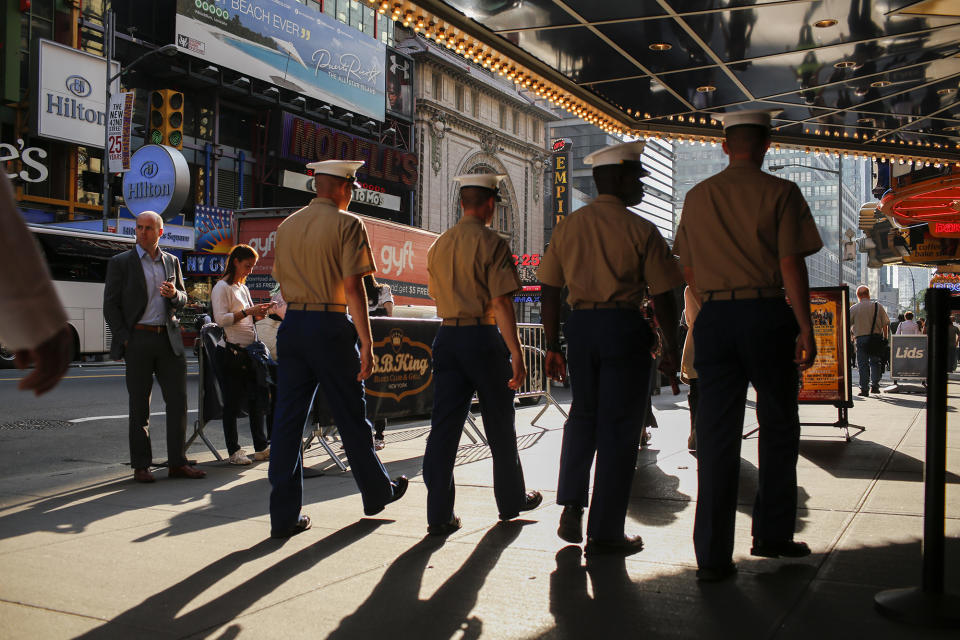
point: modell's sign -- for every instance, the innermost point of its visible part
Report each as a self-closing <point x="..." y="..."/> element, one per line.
<point x="71" y="94"/>
<point x="304" y="141"/>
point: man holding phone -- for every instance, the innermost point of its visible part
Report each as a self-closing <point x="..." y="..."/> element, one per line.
<point x="141" y="297"/>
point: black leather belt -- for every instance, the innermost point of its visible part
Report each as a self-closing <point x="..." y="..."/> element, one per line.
<point x="606" y="305"/>
<point x="317" y="306"/>
<point x="467" y="322"/>
<point x="744" y="294"/>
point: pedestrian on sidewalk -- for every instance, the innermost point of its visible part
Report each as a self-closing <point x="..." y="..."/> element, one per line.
<point x="472" y="277"/>
<point x="233" y="309"/>
<point x="868" y="318"/>
<point x="742" y="240"/>
<point x="380" y="305"/>
<point x="908" y="327"/>
<point x="142" y="296"/>
<point x="953" y="343"/>
<point x="322" y="254"/>
<point x="608" y="257"/>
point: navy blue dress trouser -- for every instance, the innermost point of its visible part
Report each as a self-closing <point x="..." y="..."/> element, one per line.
<point x="471" y="359"/>
<point x="868" y="365"/>
<point x="736" y="343"/>
<point x="608" y="354"/>
<point x="320" y="348"/>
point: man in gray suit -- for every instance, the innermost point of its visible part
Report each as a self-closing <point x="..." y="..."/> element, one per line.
<point x="143" y="292"/>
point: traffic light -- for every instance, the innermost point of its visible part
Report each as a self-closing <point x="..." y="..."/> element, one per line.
<point x="166" y="118"/>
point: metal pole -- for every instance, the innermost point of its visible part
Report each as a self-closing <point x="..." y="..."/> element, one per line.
<point x="929" y="605"/>
<point x="935" y="470"/>
<point x="840" y="223"/>
<point x="104" y="164"/>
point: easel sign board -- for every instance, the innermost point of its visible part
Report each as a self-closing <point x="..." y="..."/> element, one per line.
<point x="828" y="380"/>
<point x="908" y="356"/>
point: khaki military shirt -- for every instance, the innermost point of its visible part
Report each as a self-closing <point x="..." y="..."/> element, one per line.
<point x="738" y="224"/>
<point x="468" y="266"/>
<point x="317" y="248"/>
<point x="861" y="315"/>
<point x="605" y="253"/>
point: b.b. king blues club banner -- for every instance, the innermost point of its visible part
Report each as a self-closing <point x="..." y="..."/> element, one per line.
<point x="290" y="45"/>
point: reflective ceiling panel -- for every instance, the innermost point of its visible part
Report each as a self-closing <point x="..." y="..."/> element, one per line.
<point x="858" y="71"/>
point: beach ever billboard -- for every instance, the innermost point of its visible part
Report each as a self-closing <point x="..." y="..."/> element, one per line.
<point x="289" y="45"/>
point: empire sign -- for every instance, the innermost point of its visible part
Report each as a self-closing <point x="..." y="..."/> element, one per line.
<point x="561" y="180"/>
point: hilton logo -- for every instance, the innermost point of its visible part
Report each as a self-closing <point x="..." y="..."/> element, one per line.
<point x="149" y="169"/>
<point x="78" y="86"/>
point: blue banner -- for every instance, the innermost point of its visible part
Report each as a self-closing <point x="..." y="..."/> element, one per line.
<point x="289" y="45"/>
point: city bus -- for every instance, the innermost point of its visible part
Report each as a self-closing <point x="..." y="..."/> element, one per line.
<point x="77" y="261"/>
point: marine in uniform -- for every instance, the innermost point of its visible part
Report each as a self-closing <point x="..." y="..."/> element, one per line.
<point x="609" y="258"/>
<point x="472" y="277"/>
<point x="322" y="254"/>
<point x="742" y="240"/>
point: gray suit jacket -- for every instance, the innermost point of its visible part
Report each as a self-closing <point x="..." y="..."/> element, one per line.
<point x="125" y="299"/>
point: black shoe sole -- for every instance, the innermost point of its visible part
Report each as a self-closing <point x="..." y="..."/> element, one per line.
<point x="716" y="575"/>
<point x="401" y="483"/>
<point x="302" y="525"/>
<point x="773" y="552"/>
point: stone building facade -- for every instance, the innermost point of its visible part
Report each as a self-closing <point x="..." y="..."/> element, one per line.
<point x="469" y="120"/>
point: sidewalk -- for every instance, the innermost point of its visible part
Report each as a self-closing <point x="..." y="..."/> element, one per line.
<point x="107" y="558"/>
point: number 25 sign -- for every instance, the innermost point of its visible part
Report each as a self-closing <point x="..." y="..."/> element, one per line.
<point x="526" y="260"/>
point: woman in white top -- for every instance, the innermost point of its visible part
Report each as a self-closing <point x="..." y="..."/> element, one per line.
<point x="908" y="327"/>
<point x="233" y="309"/>
<point x="379" y="304"/>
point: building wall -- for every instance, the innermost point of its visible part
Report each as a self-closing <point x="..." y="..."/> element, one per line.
<point x="471" y="121"/>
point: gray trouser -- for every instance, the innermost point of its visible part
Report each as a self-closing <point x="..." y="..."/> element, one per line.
<point x="150" y="354"/>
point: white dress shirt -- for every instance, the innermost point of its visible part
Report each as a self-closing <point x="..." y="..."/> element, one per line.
<point x="155" y="275"/>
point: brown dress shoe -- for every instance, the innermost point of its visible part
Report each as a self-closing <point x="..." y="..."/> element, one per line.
<point x="186" y="471"/>
<point x="143" y="475"/>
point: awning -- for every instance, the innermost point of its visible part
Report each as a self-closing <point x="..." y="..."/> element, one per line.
<point x="865" y="78"/>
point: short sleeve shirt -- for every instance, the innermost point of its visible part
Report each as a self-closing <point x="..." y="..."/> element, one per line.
<point x="738" y="224"/>
<point x="317" y="248"/>
<point x="861" y="315"/>
<point x="605" y="253"/>
<point x="468" y="266"/>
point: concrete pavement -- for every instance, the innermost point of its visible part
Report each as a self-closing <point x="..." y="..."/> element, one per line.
<point x="90" y="553"/>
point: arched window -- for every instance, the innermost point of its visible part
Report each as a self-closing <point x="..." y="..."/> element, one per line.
<point x="503" y="218"/>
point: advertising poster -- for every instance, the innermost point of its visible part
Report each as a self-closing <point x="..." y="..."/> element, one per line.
<point x="908" y="356"/>
<point x="399" y="85"/>
<point x="214" y="229"/>
<point x="399" y="251"/>
<point x="402" y="381"/>
<point x="118" y="131"/>
<point x="290" y="45"/>
<point x="828" y="380"/>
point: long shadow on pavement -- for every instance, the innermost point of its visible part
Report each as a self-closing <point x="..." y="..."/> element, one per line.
<point x="394" y="606"/>
<point x="161" y="612"/>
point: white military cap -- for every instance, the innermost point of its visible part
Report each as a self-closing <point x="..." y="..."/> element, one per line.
<point x="483" y="180"/>
<point x="756" y="117"/>
<point x="616" y="154"/>
<point x="346" y="169"/>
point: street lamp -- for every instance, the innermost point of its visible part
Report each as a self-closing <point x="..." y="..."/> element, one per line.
<point x="166" y="50"/>
<point x="839" y="173"/>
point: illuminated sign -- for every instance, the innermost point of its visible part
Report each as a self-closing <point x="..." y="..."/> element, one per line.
<point x="561" y="180"/>
<point x="945" y="229"/>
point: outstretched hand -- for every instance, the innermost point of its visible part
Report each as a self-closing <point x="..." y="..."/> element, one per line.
<point x="50" y="358"/>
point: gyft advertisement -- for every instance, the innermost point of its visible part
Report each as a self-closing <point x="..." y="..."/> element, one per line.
<point x="290" y="45"/>
<point x="827" y="381"/>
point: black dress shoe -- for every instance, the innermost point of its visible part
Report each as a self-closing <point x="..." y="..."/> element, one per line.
<point x="400" y="484"/>
<point x="778" y="548"/>
<point x="303" y="523"/>
<point x="716" y="574"/>
<point x="531" y="500"/>
<point x="624" y="547"/>
<point x="571" y="524"/>
<point x="445" y="528"/>
<point x="875" y="389"/>
<point x="864" y="393"/>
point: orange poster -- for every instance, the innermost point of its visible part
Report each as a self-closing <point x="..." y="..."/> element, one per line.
<point x="827" y="380"/>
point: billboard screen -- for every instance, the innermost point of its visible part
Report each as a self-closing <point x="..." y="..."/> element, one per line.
<point x="290" y="45"/>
